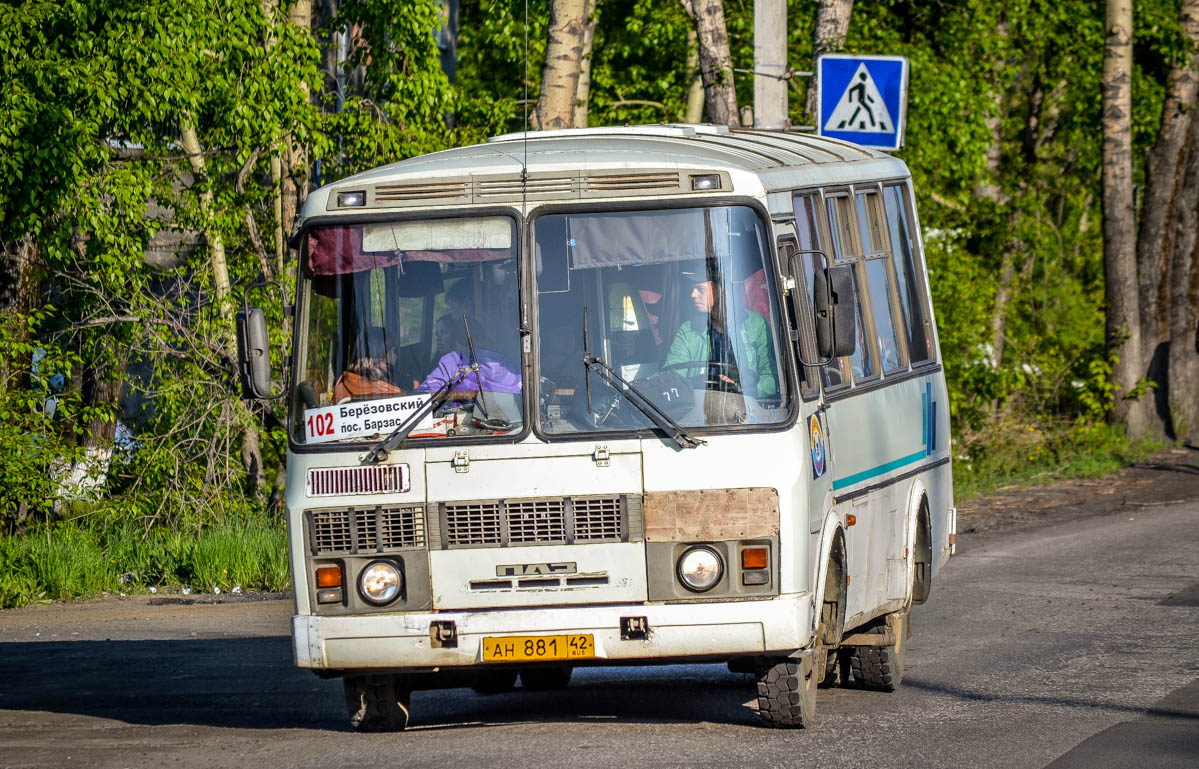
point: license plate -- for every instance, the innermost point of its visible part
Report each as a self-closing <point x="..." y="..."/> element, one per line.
<point x="526" y="648"/>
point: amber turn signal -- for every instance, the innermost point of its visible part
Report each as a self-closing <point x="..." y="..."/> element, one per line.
<point x="328" y="576"/>
<point x="851" y="519"/>
<point x="755" y="558"/>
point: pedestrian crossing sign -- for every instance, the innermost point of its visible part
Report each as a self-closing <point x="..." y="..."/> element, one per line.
<point x="862" y="99"/>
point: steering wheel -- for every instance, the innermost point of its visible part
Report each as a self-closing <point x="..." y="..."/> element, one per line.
<point x="722" y="381"/>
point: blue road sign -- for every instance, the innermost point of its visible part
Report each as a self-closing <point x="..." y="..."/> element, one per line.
<point x="862" y="99"/>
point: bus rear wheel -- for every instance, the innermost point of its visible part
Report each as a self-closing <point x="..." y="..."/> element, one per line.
<point x="377" y="702"/>
<point x="787" y="692"/>
<point x="880" y="668"/>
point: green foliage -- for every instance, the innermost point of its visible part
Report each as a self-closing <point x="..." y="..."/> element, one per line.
<point x="70" y="560"/>
<point x="1002" y="142"/>
<point x="1012" y="454"/>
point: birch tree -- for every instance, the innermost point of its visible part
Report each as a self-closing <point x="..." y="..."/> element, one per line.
<point x="832" y="25"/>
<point x="715" y="60"/>
<point x="563" y="65"/>
<point x="1123" y="322"/>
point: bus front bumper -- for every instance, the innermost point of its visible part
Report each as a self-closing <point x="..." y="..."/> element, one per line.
<point x="675" y="631"/>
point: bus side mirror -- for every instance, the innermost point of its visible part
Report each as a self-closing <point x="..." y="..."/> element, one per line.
<point x="836" y="321"/>
<point x="253" y="353"/>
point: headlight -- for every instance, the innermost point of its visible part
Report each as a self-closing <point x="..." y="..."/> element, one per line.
<point x="380" y="582"/>
<point x="700" y="568"/>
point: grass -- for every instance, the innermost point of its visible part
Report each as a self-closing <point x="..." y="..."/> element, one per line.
<point x="65" y="560"/>
<point x="1023" y="455"/>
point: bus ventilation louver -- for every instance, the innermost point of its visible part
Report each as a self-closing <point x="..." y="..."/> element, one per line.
<point x="341" y="481"/>
<point x="366" y="530"/>
<point x="507" y="189"/>
<point x="536" y="187"/>
<point x="534" y="521"/>
<point x="632" y="182"/>
<point x="398" y="193"/>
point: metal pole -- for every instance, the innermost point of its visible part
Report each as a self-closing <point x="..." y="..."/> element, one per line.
<point x="770" y="64"/>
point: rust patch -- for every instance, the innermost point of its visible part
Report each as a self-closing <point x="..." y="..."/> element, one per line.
<point x="711" y="514"/>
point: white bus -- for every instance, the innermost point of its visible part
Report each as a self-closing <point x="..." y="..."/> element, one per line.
<point x="613" y="396"/>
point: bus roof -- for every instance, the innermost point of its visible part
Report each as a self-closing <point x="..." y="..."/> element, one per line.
<point x="611" y="162"/>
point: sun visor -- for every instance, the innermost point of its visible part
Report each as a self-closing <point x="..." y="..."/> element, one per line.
<point x="631" y="237"/>
<point x="359" y="247"/>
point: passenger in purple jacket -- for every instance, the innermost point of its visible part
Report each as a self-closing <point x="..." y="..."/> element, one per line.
<point x="497" y="375"/>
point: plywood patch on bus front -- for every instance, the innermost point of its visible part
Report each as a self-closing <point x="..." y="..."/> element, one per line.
<point x="710" y="514"/>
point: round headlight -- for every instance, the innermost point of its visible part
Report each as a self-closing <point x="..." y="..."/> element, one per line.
<point x="700" y="568"/>
<point x="380" y="582"/>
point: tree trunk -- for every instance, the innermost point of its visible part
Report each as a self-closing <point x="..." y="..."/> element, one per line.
<point x="1119" y="220"/>
<point x="715" y="60"/>
<point x="20" y="289"/>
<point x="295" y="157"/>
<point x="212" y="235"/>
<point x="832" y="25"/>
<point x="251" y="452"/>
<point x="1182" y="382"/>
<point x="1161" y="207"/>
<point x="695" y="94"/>
<point x="563" y="66"/>
<point x="582" y="110"/>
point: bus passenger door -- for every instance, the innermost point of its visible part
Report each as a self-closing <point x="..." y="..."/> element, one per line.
<point x="798" y="261"/>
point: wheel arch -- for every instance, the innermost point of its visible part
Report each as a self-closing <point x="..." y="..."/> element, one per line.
<point x="833" y="549"/>
<point x="919" y="543"/>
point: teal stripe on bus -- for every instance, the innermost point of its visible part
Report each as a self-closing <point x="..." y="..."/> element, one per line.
<point x="866" y="475"/>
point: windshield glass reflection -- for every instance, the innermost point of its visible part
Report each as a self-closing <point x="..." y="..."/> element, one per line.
<point x="388" y="315"/>
<point x="679" y="303"/>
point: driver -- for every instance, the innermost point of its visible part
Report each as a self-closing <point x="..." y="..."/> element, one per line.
<point x="708" y="339"/>
<point x="368" y="374"/>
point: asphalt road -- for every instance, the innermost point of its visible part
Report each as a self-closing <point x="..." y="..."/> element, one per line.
<point x="1070" y="644"/>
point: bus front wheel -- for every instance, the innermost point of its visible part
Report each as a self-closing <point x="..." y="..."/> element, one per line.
<point x="787" y="692"/>
<point x="377" y="702"/>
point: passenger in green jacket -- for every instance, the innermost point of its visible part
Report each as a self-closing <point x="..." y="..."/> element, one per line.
<point x="707" y="341"/>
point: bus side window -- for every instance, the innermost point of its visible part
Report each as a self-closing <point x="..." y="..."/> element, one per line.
<point x="848" y="248"/>
<point x="808" y="233"/>
<point x="879" y="282"/>
<point x="911" y="285"/>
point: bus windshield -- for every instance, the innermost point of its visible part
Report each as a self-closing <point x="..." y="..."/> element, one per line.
<point x="678" y="302"/>
<point x="393" y="312"/>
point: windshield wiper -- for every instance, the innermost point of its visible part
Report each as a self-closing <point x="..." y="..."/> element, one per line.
<point x="652" y="411"/>
<point x="383" y="448"/>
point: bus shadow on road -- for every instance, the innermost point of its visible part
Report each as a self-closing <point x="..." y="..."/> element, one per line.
<point x="655" y="694"/>
<point x="251" y="683"/>
<point x="226" y="682"/>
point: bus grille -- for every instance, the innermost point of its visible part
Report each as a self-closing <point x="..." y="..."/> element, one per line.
<point x="559" y="520"/>
<point x="473" y="523"/>
<point x="597" y="519"/>
<point x="355" y="531"/>
<point x="343" y="481"/>
<point x="542" y="520"/>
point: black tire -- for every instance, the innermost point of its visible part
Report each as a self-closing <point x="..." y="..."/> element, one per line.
<point x="495" y="681"/>
<point x="787" y="693"/>
<point x="377" y="703"/>
<point x="546" y="679"/>
<point x="880" y="668"/>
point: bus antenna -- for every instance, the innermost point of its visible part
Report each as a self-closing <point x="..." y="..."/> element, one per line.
<point x="524" y="166"/>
